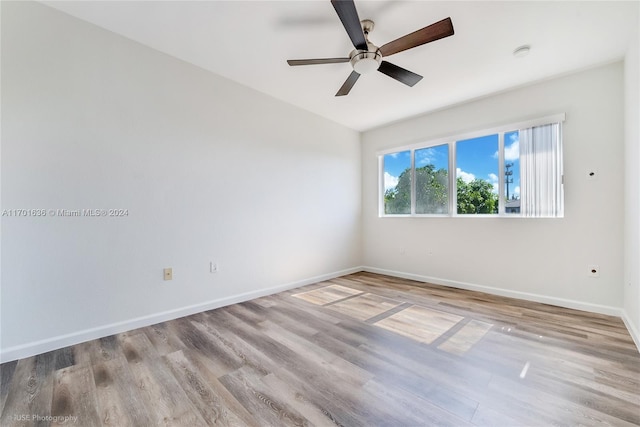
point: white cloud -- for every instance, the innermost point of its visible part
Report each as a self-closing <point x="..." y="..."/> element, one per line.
<point x="466" y="176"/>
<point x="512" y="151"/>
<point x="390" y="181"/>
<point x="426" y="156"/>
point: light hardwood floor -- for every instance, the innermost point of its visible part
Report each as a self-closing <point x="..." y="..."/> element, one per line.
<point x="361" y="350"/>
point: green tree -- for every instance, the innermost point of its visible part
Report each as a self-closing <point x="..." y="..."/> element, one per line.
<point x="432" y="192"/>
<point x="476" y="197"/>
<point x="397" y="200"/>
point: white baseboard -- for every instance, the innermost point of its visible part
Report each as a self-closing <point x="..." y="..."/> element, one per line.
<point x="561" y="302"/>
<point x="633" y="331"/>
<point x="54" y="343"/>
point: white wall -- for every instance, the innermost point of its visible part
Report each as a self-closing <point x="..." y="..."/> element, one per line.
<point x="539" y="259"/>
<point x="208" y="170"/>
<point x="632" y="188"/>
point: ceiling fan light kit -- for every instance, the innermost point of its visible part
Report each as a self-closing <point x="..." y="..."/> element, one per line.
<point x="366" y="57"/>
<point x="365" y="62"/>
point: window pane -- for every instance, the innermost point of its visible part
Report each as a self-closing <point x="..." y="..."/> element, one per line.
<point x="432" y="180"/>
<point x="512" y="172"/>
<point x="397" y="183"/>
<point x="477" y="175"/>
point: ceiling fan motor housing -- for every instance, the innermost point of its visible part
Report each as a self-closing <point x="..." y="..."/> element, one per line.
<point x="365" y="61"/>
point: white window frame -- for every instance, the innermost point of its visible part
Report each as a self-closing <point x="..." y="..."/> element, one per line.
<point x="451" y="141"/>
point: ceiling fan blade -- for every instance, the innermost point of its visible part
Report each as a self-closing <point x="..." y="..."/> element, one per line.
<point x="294" y="62"/>
<point x="433" y="32"/>
<point x="399" y="73"/>
<point x="348" y="14"/>
<point x="348" y="84"/>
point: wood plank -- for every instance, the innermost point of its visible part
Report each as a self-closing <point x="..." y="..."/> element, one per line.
<point x="246" y="385"/>
<point x="74" y="398"/>
<point x="487" y="417"/>
<point x="214" y="405"/>
<point x="299" y="401"/>
<point x="164" y="338"/>
<point x="118" y="402"/>
<point x="167" y="402"/>
<point x="328" y="364"/>
<point x="410" y="409"/>
<point x="63" y="358"/>
<point x="30" y="392"/>
<point x="97" y="351"/>
<point x="221" y="360"/>
<point x="6" y="375"/>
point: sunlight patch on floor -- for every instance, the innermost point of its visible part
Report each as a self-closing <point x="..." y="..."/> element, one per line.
<point x="419" y="323"/>
<point x="327" y="295"/>
<point x="365" y="306"/>
<point x="466" y="337"/>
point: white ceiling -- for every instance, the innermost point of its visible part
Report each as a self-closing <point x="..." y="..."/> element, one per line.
<point x="250" y="41"/>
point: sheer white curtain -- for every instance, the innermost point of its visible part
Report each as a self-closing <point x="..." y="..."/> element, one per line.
<point x="541" y="192"/>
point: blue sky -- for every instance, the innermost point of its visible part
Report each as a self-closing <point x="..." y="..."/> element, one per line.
<point x="475" y="158"/>
<point x="478" y="158"/>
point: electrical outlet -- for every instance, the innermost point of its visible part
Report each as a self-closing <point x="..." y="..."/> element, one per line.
<point x="593" y="271"/>
<point x="168" y="273"/>
<point x="213" y="267"/>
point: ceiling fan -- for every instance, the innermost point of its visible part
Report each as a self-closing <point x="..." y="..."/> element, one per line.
<point x="366" y="57"/>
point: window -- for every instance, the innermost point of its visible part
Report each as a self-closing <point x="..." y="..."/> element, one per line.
<point x="477" y="175"/>
<point x="514" y="171"/>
